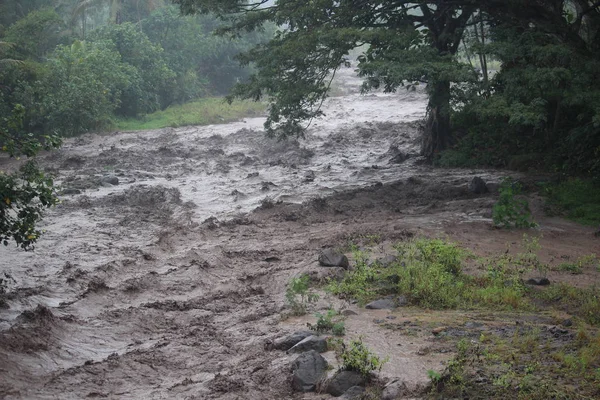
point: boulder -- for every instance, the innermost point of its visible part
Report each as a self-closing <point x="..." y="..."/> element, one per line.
<point x="399" y="158"/>
<point x="396" y="389"/>
<point x="110" y="179"/>
<point x="344" y="380"/>
<point x="307" y="371"/>
<point x="477" y="186"/>
<point x="354" y="393"/>
<point x="381" y="304"/>
<point x="538" y="281"/>
<point x="316" y="343"/>
<point x="290" y="341"/>
<point x="331" y="258"/>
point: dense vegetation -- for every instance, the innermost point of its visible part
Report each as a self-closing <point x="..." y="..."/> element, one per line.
<point x="539" y="108"/>
<point x="72" y="66"/>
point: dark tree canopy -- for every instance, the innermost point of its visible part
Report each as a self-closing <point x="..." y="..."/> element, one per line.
<point x="405" y="41"/>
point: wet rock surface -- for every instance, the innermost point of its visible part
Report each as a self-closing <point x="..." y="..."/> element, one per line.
<point x="290" y="341"/>
<point x="343" y="381"/>
<point x="332" y="258"/>
<point x="307" y="371"/>
<point x="316" y="343"/>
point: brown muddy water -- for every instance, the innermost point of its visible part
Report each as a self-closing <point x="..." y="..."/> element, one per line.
<point x="169" y="284"/>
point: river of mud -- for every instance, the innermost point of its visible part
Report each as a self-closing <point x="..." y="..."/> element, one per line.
<point x="162" y="272"/>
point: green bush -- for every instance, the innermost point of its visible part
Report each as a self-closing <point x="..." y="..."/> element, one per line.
<point x="578" y="199"/>
<point x="330" y="322"/>
<point x="79" y="88"/>
<point x="357" y="357"/>
<point x="511" y="211"/>
<point x="298" y="294"/>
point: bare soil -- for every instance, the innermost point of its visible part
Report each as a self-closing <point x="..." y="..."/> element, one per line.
<point x="169" y="284"/>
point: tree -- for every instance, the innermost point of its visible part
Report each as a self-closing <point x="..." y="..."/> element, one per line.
<point x="407" y="40"/>
<point x="24" y="194"/>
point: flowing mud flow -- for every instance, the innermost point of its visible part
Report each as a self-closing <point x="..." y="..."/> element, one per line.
<point x="163" y="270"/>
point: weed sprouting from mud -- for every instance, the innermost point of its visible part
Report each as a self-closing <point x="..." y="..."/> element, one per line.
<point x="330" y="322"/>
<point x="299" y="296"/>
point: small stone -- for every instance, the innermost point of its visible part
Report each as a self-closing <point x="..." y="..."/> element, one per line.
<point x="381" y="304"/>
<point x="331" y="258"/>
<point x="477" y="186"/>
<point x="307" y="371"/>
<point x="354" y="393"/>
<point x="538" y="281"/>
<point x="316" y="343"/>
<point x="439" y="330"/>
<point x="290" y="341"/>
<point x="394" y="390"/>
<point x="344" y="380"/>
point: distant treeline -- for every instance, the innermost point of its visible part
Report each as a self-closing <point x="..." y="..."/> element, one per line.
<point x="75" y="65"/>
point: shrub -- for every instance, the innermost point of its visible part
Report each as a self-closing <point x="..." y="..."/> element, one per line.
<point x="298" y="294"/>
<point x="357" y="357"/>
<point x="511" y="211"/>
<point x="330" y="322"/>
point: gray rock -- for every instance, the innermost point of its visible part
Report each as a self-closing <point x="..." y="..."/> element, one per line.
<point x="344" y="380"/>
<point x="316" y="343"/>
<point x="538" y="281"/>
<point x="354" y="393"/>
<point x="478" y="186"/>
<point x="399" y="158"/>
<point x="381" y="304"/>
<point x="307" y="371"/>
<point x="394" y="390"/>
<point x="70" y="191"/>
<point x="290" y="341"/>
<point x="110" y="179"/>
<point x="386" y="261"/>
<point x="331" y="258"/>
<point x="401" y="301"/>
<point x="310" y="176"/>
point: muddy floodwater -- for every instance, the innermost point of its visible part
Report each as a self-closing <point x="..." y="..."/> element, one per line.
<point x="162" y="272"/>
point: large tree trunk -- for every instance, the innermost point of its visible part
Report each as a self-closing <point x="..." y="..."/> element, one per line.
<point x="437" y="135"/>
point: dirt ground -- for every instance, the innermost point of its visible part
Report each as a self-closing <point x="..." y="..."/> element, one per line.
<point x="169" y="284"/>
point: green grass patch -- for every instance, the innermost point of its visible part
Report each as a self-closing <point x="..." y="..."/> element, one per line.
<point x="577" y="199"/>
<point x="211" y="110"/>
<point x="524" y="362"/>
<point x="429" y="274"/>
<point x="582" y="302"/>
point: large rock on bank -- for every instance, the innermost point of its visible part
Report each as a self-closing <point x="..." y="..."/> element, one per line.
<point x="332" y="258"/>
<point x="344" y="380"/>
<point x="308" y="370"/>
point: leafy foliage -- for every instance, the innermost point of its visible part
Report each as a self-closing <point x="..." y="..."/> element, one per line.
<point x="24" y="194"/>
<point x="298" y="294"/>
<point x="330" y="322"/>
<point x="511" y="211"/>
<point x="357" y="357"/>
